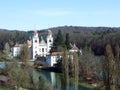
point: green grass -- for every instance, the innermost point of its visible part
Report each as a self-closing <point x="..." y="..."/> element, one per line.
<point x="88" y="86"/>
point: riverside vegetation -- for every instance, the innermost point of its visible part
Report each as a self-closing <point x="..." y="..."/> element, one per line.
<point x="20" y="75"/>
<point x="101" y="72"/>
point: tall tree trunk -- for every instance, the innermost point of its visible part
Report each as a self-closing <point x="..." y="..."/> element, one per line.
<point x="66" y="70"/>
<point x="76" y="70"/>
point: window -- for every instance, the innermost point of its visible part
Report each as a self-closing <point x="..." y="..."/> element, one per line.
<point x="42" y="49"/>
<point x="49" y="40"/>
<point x="35" y="41"/>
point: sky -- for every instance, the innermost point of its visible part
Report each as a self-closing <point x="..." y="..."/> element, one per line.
<point x="43" y="14"/>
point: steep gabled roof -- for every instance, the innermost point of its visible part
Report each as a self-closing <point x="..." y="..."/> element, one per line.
<point x="74" y="47"/>
<point x="42" y="42"/>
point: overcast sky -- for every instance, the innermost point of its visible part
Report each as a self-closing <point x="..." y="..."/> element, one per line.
<point x="43" y="14"/>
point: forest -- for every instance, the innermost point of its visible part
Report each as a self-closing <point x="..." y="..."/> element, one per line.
<point x="94" y="37"/>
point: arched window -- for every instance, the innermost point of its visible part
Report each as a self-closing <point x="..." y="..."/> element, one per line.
<point x="42" y="49"/>
<point x="49" y="40"/>
<point x="35" y="41"/>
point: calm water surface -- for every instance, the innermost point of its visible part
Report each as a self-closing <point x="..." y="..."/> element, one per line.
<point x="56" y="80"/>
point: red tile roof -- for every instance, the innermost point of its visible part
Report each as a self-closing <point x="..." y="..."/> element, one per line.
<point x="56" y="53"/>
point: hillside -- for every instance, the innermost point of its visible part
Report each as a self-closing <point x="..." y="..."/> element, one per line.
<point x="83" y="29"/>
<point x="94" y="37"/>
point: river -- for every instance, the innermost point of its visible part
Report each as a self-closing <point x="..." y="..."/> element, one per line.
<point x="55" y="79"/>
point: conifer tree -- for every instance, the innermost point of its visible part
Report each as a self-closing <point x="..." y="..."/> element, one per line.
<point x="67" y="41"/>
<point x="59" y="39"/>
<point x="58" y="43"/>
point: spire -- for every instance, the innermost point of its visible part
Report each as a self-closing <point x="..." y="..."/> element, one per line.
<point x="49" y="32"/>
<point x="35" y="31"/>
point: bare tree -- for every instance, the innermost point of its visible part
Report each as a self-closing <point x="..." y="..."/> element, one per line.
<point x="7" y="47"/>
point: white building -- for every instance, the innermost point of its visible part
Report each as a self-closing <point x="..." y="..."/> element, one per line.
<point x="38" y="46"/>
<point x="41" y="47"/>
<point x="16" y="50"/>
<point x="53" y="57"/>
<point x="74" y="48"/>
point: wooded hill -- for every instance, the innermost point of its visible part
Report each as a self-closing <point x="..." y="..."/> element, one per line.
<point x="84" y="37"/>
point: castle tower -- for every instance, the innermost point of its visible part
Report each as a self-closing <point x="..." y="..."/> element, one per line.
<point x="49" y="40"/>
<point x="35" y="45"/>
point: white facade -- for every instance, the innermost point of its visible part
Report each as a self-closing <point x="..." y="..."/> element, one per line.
<point x="49" y="40"/>
<point x="16" y="51"/>
<point x="38" y="46"/>
<point x="51" y="60"/>
<point x="53" y="57"/>
<point x="41" y="48"/>
<point x="35" y="44"/>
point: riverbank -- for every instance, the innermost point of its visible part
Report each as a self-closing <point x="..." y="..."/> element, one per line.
<point x="82" y="83"/>
<point x="50" y="69"/>
<point x="51" y="72"/>
<point x="88" y="86"/>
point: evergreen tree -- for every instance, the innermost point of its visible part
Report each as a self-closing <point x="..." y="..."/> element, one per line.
<point x="59" y="39"/>
<point x="67" y="41"/>
<point x="58" y="43"/>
